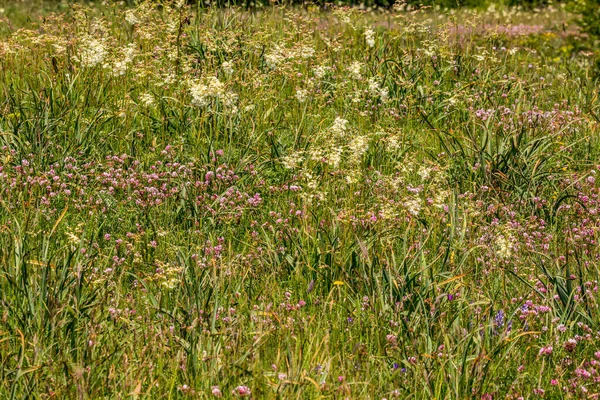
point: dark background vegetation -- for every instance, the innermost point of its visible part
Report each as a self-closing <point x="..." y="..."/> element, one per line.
<point x="526" y="4"/>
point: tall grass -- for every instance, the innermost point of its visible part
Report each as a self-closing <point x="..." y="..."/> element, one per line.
<point x="294" y="203"/>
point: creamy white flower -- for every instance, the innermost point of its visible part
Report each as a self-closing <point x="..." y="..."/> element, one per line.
<point x="355" y="69"/>
<point x="227" y="67"/>
<point x="413" y="206"/>
<point x="129" y="52"/>
<point x="131" y="18"/>
<point x="374" y="88"/>
<point x="358" y="146"/>
<point x="384" y="94"/>
<point x="301" y="95"/>
<point x="370" y="37"/>
<point x="147" y="99"/>
<point x="92" y="52"/>
<point x="504" y="246"/>
<point x="424" y="173"/>
<point x="292" y="161"/>
<point x="275" y="57"/>
<point x="335" y="156"/>
<point x="119" y="68"/>
<point x="202" y="93"/>
<point x="339" y="126"/>
<point x="320" y="71"/>
<point x="305" y="52"/>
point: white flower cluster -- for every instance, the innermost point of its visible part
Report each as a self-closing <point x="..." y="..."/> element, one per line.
<point x="147" y="99"/>
<point x="504" y="246"/>
<point x="413" y="206"/>
<point x="92" y="52"/>
<point x="227" y="67"/>
<point x="119" y="68"/>
<point x="273" y="59"/>
<point x="358" y="146"/>
<point x="424" y="173"/>
<point x="301" y="95"/>
<point x="280" y="54"/>
<point x="339" y="127"/>
<point x="320" y="71"/>
<point x="203" y="93"/>
<point x="131" y="18"/>
<point x="370" y="37"/>
<point x="376" y="90"/>
<point x="355" y="69"/>
<point x="293" y="160"/>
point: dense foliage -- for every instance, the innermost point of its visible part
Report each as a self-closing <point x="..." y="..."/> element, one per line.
<point x="297" y="203"/>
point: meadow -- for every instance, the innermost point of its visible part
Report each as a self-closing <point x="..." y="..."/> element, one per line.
<point x="297" y="202"/>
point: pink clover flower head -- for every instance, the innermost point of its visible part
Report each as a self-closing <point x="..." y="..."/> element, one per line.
<point x="242" y="391"/>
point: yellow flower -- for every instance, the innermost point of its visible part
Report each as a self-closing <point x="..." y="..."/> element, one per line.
<point x="338" y="283"/>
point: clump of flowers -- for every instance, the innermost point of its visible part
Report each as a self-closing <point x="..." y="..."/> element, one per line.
<point x="370" y="37"/>
<point x="92" y="52"/>
<point x="204" y="92"/>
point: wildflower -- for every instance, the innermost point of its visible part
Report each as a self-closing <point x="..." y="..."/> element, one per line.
<point x="274" y="58"/>
<point x="334" y="156"/>
<point x="306" y="52"/>
<point x="301" y="95"/>
<point x="319" y="71"/>
<point x="370" y="37"/>
<point x="184" y="388"/>
<point x="358" y="146"/>
<point x="546" y="351"/>
<point x="374" y="88"/>
<point x="413" y="206"/>
<point x="339" y="126"/>
<point x="147" y="99"/>
<point x="338" y="283"/>
<point x="503" y="247"/>
<point x="242" y="391"/>
<point x="92" y="53"/>
<point x="131" y="18"/>
<point x="227" y="67"/>
<point x="570" y="345"/>
<point x="216" y="391"/>
<point x="392" y="340"/>
<point x="424" y="173"/>
<point x="355" y="69"/>
<point x="293" y="160"/>
<point x="203" y="93"/>
<point x="498" y="321"/>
